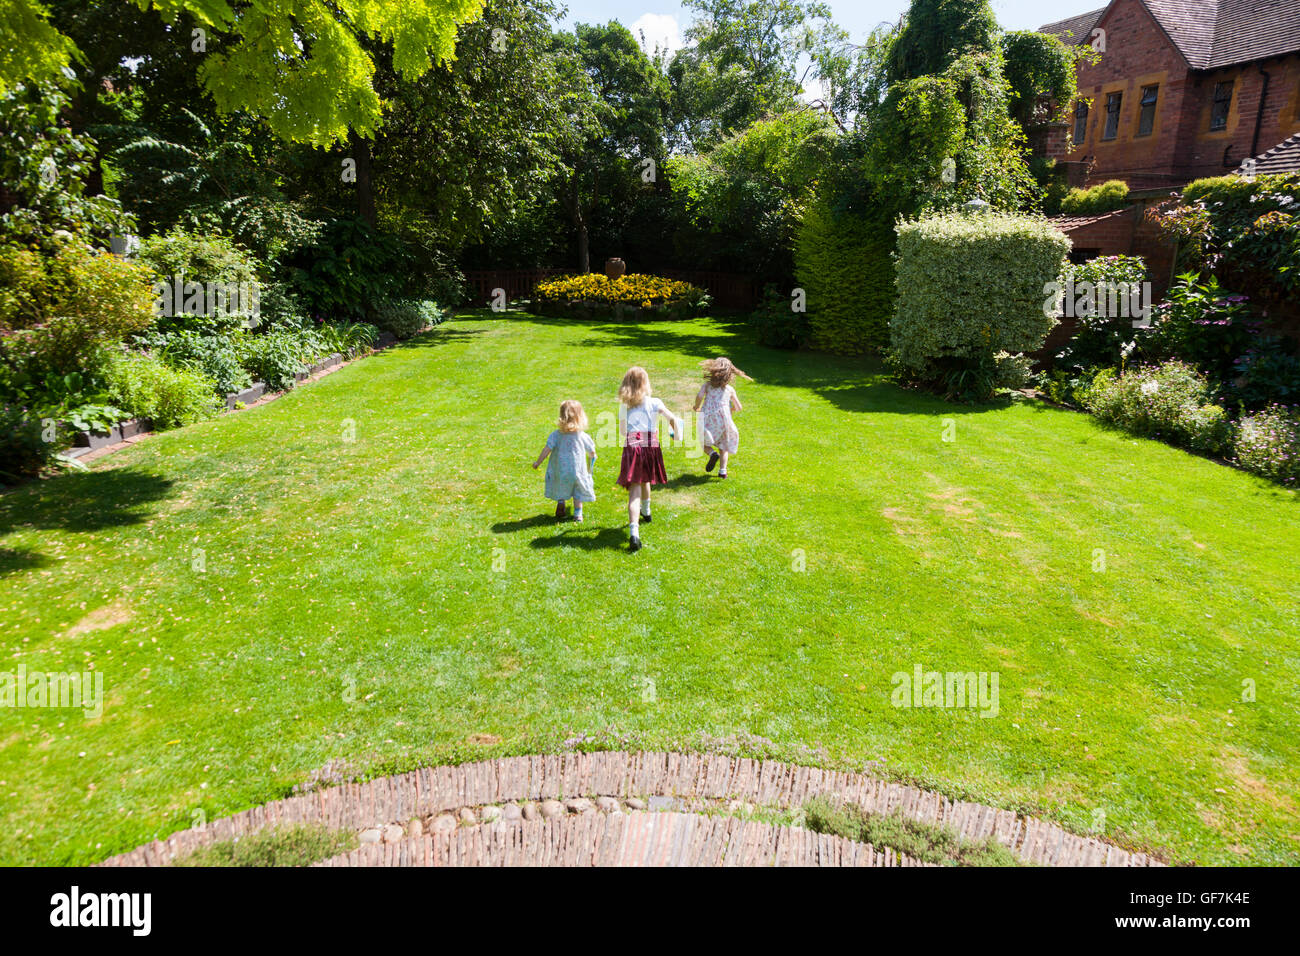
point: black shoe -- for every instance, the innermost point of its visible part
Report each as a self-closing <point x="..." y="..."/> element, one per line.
<point x="713" y="461"/>
<point x="722" y="474"/>
<point x="645" y="518"/>
<point x="634" y="544"/>
<point x="559" y="510"/>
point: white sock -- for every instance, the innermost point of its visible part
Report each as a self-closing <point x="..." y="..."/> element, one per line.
<point x="645" y="509"/>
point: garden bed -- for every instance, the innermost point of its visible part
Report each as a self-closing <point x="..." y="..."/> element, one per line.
<point x="618" y="311"/>
<point x="123" y="433"/>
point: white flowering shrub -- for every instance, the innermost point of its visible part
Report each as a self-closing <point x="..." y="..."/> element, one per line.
<point x="1170" y="402"/>
<point x="1268" y="444"/>
<point x="971" y="286"/>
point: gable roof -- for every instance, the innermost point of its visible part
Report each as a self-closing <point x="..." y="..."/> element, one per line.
<point x="1254" y="29"/>
<point x="1211" y="33"/>
<point x="1079" y="28"/>
<point x="1282" y="158"/>
<point x="1068" y="224"/>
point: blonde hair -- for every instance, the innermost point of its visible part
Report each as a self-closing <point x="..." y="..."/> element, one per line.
<point x="635" y="388"/>
<point x="572" y="417"/>
<point x="720" y="372"/>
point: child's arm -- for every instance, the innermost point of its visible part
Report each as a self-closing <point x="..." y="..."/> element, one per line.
<point x="546" y="451"/>
<point x="699" y="398"/>
<point x="678" y="429"/>
<point x="735" y="402"/>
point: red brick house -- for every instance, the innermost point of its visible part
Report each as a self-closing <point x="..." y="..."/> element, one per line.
<point x="1183" y="89"/>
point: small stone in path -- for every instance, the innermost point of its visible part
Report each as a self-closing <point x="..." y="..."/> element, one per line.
<point x="443" y="823"/>
<point x="490" y="813"/>
<point x="607" y="805"/>
<point x="530" y="811"/>
<point x="415" y="828"/>
<point x="552" y="808"/>
<point x="393" y="833"/>
<point x="578" y="805"/>
<point x="371" y="835"/>
<point x="635" y="803"/>
<point x="467" y="816"/>
<point x="511" y="812"/>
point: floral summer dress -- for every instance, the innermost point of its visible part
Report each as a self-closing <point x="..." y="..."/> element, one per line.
<point x="567" y="475"/>
<point x="715" y="420"/>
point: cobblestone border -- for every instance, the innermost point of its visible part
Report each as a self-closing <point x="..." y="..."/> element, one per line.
<point x="398" y="806"/>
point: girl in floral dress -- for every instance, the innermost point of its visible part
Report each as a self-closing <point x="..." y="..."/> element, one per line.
<point x="715" y="401"/>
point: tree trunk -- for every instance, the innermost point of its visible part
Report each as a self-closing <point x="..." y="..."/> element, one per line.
<point x="365" y="188"/>
<point x="580" y="225"/>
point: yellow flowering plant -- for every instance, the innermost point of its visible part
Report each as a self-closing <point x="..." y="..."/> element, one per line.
<point x="644" y="292"/>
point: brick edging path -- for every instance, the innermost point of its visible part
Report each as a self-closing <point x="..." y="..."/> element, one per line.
<point x="432" y="816"/>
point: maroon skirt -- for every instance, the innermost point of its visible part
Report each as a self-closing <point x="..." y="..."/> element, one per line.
<point x="643" y="461"/>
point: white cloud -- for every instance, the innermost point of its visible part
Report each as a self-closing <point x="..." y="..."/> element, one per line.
<point x="659" y="28"/>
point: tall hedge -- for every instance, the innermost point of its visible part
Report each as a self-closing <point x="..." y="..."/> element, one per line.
<point x="844" y="265"/>
<point x="972" y="285"/>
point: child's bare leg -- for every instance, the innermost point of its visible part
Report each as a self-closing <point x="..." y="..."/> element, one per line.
<point x="645" y="498"/>
<point x="634" y="507"/>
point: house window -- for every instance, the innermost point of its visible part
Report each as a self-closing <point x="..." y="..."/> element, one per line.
<point x="1113" y="101"/>
<point x="1147" y="118"/>
<point x="1080" y="122"/>
<point x="1222" y="102"/>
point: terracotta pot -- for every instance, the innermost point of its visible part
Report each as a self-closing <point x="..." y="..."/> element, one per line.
<point x="615" y="268"/>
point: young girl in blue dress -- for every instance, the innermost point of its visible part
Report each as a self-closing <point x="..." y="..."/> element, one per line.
<point x="572" y="455"/>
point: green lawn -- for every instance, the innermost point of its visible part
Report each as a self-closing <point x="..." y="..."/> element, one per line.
<point x="406" y="597"/>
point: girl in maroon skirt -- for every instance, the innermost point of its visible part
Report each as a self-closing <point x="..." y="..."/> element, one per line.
<point x="643" y="461"/>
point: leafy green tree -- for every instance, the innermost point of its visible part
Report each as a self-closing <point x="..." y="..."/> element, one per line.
<point x="468" y="145"/>
<point x="301" y="65"/>
<point x="44" y="167"/>
<point x="1040" y="71"/>
<point x="934" y="129"/>
<point x="935" y="33"/>
<point x="743" y="198"/>
<point x="615" y="134"/>
<point x="744" y="63"/>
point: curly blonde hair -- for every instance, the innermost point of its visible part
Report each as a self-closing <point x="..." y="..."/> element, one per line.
<point x="635" y="388"/>
<point x="720" y="372"/>
<point x="572" y="417"/>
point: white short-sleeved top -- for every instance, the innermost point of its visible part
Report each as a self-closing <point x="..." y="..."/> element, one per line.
<point x="642" y="418"/>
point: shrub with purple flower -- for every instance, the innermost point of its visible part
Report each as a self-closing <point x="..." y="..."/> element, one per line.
<point x="1268" y="444"/>
<point x="1204" y="324"/>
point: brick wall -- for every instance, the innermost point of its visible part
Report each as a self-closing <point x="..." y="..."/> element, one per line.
<point x="1124" y="232"/>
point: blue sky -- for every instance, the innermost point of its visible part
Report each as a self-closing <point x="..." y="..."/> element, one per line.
<point x="859" y="17"/>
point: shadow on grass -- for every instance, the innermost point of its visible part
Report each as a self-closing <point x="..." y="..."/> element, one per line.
<point x="13" y="561"/>
<point x="687" y="479"/>
<point x="584" y="539"/>
<point x="523" y="524"/>
<point x="81" y="501"/>
<point x="850" y="383"/>
<point x="439" y="335"/>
